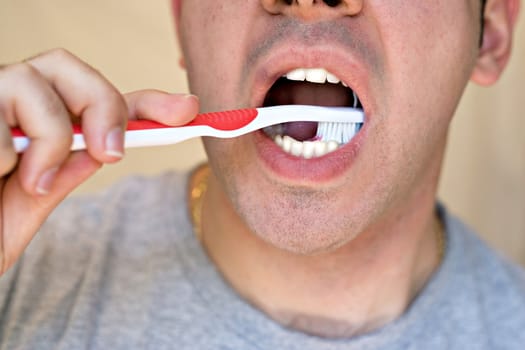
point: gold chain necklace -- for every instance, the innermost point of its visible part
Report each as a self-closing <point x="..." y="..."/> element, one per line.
<point x="441" y="238"/>
<point x="198" y="184"/>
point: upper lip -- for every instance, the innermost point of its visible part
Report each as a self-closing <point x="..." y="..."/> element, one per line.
<point x="285" y="58"/>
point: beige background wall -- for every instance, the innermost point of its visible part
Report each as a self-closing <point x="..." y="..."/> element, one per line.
<point x="132" y="43"/>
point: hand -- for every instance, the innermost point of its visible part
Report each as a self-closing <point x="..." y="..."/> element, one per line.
<point x="43" y="96"/>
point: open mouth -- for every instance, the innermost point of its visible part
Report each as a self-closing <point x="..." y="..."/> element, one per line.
<point x="312" y="86"/>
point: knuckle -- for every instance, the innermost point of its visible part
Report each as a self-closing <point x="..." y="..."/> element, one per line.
<point x="56" y="57"/>
<point x="19" y="71"/>
<point x="114" y="102"/>
<point x="18" y="80"/>
<point x="61" y="54"/>
<point x="115" y="98"/>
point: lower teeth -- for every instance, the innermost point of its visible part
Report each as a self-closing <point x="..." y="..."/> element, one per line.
<point x="305" y="149"/>
<point x="330" y="136"/>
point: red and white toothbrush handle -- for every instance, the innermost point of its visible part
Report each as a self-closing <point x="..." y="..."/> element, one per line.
<point x="140" y="133"/>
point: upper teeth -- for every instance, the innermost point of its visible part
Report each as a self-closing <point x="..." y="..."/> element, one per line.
<point x="313" y="75"/>
<point x="317" y="76"/>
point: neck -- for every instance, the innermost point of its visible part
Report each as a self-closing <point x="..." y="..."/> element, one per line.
<point x="354" y="289"/>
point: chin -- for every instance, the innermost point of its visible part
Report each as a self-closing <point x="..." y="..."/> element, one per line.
<point x="303" y="242"/>
<point x="303" y="226"/>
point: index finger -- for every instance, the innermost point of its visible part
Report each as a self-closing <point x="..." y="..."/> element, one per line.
<point x="89" y="95"/>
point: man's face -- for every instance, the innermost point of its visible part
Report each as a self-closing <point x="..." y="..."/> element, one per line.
<point x="408" y="62"/>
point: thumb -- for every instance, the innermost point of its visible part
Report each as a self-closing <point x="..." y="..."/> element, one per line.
<point x="162" y="107"/>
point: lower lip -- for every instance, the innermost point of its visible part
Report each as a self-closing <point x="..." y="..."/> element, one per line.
<point x="316" y="170"/>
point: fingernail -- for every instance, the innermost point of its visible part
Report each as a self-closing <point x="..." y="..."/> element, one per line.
<point x="45" y="182"/>
<point x="191" y="97"/>
<point x="115" y="143"/>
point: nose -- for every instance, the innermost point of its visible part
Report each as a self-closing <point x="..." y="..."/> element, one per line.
<point x="313" y="10"/>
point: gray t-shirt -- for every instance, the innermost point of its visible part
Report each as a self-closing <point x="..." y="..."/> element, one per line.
<point x="123" y="270"/>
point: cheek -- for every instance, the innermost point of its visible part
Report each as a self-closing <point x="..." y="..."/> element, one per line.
<point x="230" y="159"/>
<point x="429" y="42"/>
<point x="430" y="47"/>
<point x="212" y="42"/>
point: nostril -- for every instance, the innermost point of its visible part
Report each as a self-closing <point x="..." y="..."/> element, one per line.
<point x="332" y="3"/>
<point x="313" y="10"/>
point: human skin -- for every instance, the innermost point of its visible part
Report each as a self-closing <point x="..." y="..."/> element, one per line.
<point x="43" y="95"/>
<point x="338" y="246"/>
<point x="283" y="241"/>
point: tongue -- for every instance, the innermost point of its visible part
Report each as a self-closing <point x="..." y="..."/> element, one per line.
<point x="301" y="131"/>
<point x="286" y="92"/>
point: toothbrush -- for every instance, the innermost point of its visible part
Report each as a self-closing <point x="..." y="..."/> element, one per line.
<point x="226" y="124"/>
